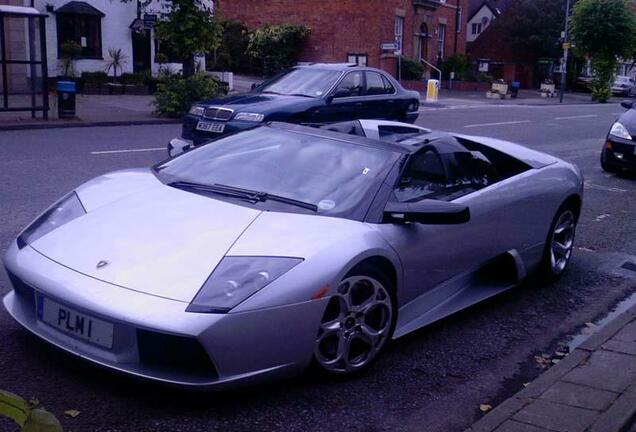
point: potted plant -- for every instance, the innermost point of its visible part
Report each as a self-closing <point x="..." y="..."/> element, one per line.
<point x="116" y="60"/>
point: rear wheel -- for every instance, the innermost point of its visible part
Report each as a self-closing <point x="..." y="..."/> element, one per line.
<point x="559" y="244"/>
<point x="357" y="323"/>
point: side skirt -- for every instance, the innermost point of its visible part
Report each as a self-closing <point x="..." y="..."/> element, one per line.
<point x="495" y="276"/>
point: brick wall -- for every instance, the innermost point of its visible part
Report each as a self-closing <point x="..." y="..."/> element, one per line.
<point x="340" y="27"/>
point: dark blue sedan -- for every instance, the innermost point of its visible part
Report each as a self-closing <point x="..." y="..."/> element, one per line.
<point x="317" y="93"/>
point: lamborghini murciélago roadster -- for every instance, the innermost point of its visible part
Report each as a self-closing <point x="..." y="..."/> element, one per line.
<point x="265" y="251"/>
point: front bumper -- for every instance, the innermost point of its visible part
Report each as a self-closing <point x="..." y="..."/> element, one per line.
<point x="189" y="129"/>
<point x="240" y="347"/>
<point x="620" y="153"/>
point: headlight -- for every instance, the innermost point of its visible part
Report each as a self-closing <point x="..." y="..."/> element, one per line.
<point x="197" y="110"/>
<point x="246" y="116"/>
<point x="63" y="211"/>
<point x="618" y="130"/>
<point x="237" y="278"/>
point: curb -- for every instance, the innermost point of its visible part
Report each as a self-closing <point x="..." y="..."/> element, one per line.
<point x="620" y="415"/>
<point x="35" y="126"/>
<point x="485" y="104"/>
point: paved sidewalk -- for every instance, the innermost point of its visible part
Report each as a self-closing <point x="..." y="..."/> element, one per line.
<point x="593" y="389"/>
<point x="92" y="110"/>
<point x="458" y="99"/>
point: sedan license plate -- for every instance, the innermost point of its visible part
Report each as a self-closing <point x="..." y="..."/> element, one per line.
<point x="210" y="126"/>
<point x="75" y="323"/>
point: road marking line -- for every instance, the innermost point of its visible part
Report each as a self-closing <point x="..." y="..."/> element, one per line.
<point x="576" y="117"/>
<point x="497" y="124"/>
<point x="128" y="151"/>
<point x="593" y="186"/>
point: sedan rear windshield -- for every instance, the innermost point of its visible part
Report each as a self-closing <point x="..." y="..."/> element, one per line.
<point x="339" y="178"/>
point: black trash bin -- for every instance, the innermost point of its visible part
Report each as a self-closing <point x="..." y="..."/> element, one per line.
<point x="66" y="99"/>
<point x="514" y="88"/>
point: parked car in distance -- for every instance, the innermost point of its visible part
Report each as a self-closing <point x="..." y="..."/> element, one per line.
<point x="315" y="93"/>
<point x="619" y="150"/>
<point x="271" y="249"/>
<point x="623" y="85"/>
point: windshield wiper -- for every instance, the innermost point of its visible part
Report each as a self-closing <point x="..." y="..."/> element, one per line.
<point x="301" y="94"/>
<point x="245" y="194"/>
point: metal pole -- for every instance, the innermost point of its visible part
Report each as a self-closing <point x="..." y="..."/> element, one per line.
<point x="45" y="69"/>
<point x="3" y="54"/>
<point x="566" y="39"/>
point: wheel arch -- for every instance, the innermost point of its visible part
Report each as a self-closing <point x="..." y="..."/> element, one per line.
<point x="381" y="263"/>
<point x="575" y="202"/>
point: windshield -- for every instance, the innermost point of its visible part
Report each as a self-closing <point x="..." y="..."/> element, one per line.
<point x="303" y="82"/>
<point x="339" y="178"/>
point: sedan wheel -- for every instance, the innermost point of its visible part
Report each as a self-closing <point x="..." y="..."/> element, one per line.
<point x="356" y="325"/>
<point x="562" y="242"/>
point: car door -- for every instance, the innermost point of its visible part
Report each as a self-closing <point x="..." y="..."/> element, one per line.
<point x="346" y="100"/>
<point x="380" y="97"/>
<point x="433" y="254"/>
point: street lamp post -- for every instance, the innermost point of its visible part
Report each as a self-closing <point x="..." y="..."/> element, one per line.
<point x="566" y="47"/>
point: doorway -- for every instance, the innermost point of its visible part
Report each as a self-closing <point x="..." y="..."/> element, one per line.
<point x="141" y="51"/>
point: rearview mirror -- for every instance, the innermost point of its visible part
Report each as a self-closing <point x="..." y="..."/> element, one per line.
<point x="427" y="211"/>
<point x="627" y="104"/>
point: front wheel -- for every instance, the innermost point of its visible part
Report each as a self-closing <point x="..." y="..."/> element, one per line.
<point x="559" y="245"/>
<point x="357" y="323"/>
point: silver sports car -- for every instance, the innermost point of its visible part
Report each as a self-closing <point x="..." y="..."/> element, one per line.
<point x="265" y="251"/>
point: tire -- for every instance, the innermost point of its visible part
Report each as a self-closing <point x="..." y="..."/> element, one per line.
<point x="357" y="324"/>
<point x="559" y="244"/>
<point x="606" y="167"/>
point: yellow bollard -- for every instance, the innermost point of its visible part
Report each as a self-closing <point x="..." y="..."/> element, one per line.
<point x="432" y="91"/>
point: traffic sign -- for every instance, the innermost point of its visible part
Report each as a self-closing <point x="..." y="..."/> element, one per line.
<point x="390" y="46"/>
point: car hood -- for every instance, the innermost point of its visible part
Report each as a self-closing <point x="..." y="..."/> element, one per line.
<point x="263" y="103"/>
<point x="628" y="119"/>
<point x="156" y="239"/>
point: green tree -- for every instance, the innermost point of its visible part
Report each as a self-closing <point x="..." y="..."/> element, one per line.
<point x="189" y="27"/>
<point x="604" y="30"/>
<point x="277" y="47"/>
<point x="532" y="27"/>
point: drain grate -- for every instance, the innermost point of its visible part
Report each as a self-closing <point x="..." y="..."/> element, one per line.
<point x="629" y="266"/>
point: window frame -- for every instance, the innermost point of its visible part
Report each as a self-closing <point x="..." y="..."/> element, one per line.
<point x="441" y="41"/>
<point x="358" y="56"/>
<point x="99" y="49"/>
<point x="384" y="80"/>
<point x="363" y="85"/>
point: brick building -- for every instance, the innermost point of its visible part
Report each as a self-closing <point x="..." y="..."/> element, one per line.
<point x="353" y="30"/>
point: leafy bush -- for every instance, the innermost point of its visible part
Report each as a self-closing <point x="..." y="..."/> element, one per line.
<point x="137" y="78"/>
<point x="97" y="78"/>
<point x="458" y="63"/>
<point x="231" y="55"/>
<point x="176" y="94"/>
<point x="277" y="47"/>
<point x="411" y="69"/>
<point x="484" y="77"/>
<point x="27" y="415"/>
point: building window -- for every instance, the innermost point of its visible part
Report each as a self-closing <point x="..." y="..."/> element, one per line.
<point x="84" y="29"/>
<point x="441" y="40"/>
<point x="359" y="59"/>
<point x="476" y="29"/>
<point x="399" y="30"/>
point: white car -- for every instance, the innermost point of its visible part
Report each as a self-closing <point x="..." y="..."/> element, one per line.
<point x="623" y="85"/>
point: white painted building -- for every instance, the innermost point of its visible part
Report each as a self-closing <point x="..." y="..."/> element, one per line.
<point x="99" y="25"/>
<point x="480" y="19"/>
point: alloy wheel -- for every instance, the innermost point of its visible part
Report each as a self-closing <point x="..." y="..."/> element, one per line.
<point x="562" y="242"/>
<point x="355" y="326"/>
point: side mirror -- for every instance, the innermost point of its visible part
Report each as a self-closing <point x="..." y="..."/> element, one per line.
<point x="627" y="104"/>
<point x="177" y="146"/>
<point x="427" y="212"/>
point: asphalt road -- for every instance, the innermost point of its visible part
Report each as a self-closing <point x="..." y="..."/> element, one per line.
<point x="432" y="380"/>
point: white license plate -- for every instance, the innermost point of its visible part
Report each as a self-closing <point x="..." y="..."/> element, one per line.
<point x="75" y="323"/>
<point x="211" y="126"/>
